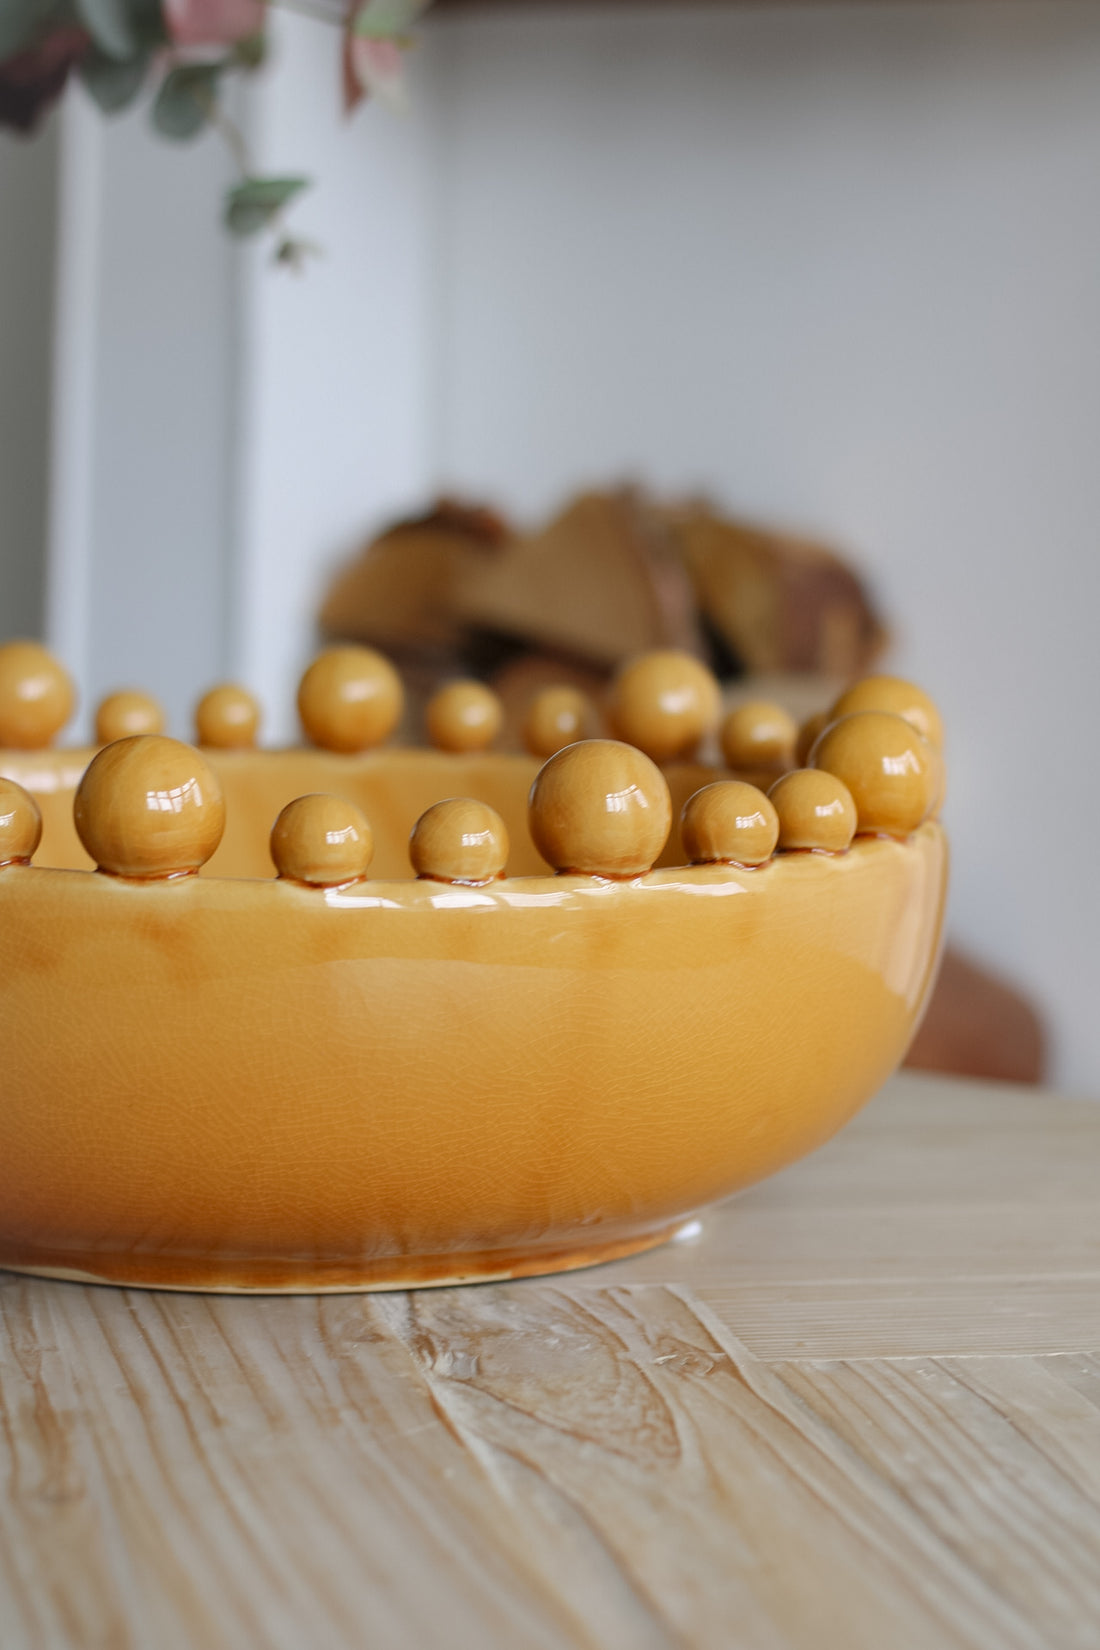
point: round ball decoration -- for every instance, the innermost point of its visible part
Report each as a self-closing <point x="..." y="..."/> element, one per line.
<point x="37" y="697"/>
<point x="123" y="714"/>
<point x="664" y="703"/>
<point x="324" y="841"/>
<point x="149" y="808"/>
<point x="20" y="824"/>
<point x="463" y="717"/>
<point x="227" y="718"/>
<point x="892" y="773"/>
<point x="558" y="716"/>
<point x="899" y="698"/>
<point x="459" y="840"/>
<point x="601" y="808"/>
<point x="729" y="823"/>
<point x="759" y="734"/>
<point x="815" y="812"/>
<point x="350" y="699"/>
<point x="808" y="735"/>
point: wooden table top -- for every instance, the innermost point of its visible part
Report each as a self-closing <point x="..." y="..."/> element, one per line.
<point x="861" y="1408"/>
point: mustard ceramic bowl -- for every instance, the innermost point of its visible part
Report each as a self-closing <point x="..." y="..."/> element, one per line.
<point x="345" y="1077"/>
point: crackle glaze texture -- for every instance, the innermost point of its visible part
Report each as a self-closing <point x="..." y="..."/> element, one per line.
<point x="242" y="1084"/>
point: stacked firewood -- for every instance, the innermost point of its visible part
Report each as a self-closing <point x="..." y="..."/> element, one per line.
<point x="461" y="591"/>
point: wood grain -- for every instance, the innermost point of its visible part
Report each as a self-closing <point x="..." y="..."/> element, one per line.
<point x="848" y="1415"/>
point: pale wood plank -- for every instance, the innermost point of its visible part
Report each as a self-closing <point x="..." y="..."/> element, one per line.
<point x="961" y="1444"/>
<point x="911" y="1317"/>
<point x="542" y="1464"/>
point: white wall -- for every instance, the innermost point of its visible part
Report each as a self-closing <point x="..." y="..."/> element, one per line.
<point x="840" y="266"/>
<point x="28" y="178"/>
<point x="143" y="415"/>
<point x="335" y="372"/>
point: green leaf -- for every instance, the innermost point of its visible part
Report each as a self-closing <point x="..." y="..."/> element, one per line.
<point x="256" y="202"/>
<point x="251" y="52"/>
<point x="110" y="26"/>
<point x="113" y="85"/>
<point x="20" y="21"/>
<point x="186" y="100"/>
<point x="386" y="19"/>
<point x="148" y="23"/>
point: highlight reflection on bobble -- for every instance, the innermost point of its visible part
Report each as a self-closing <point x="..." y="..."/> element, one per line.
<point x="815" y="811"/>
<point x="149" y="807"/>
<point x="126" y="713"/>
<point x="664" y="703"/>
<point x="350" y="699"/>
<point x="892" y="773"/>
<point x="227" y="718"/>
<point x="897" y="697"/>
<point x="20" y="824"/>
<point x="601" y="808"/>
<point x="459" y="840"/>
<point x="759" y="734"/>
<point x="322" y="840"/>
<point x="464" y="716"/>
<point x="729" y="822"/>
<point x="36" y="697"/>
<point x="558" y="716"/>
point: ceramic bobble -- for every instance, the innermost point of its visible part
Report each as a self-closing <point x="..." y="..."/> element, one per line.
<point x="815" y="812"/>
<point x="37" y="697"/>
<point x="759" y="735"/>
<point x="123" y="714"/>
<point x="322" y="840"/>
<point x="227" y="718"/>
<point x="20" y="824"/>
<point x="459" y="840"/>
<point x="350" y="699"/>
<point x="899" y="698"/>
<point x="729" y="823"/>
<point x="600" y="808"/>
<point x="149" y="808"/>
<point x="558" y="716"/>
<point x="464" y="716"/>
<point x="892" y="773"/>
<point x="664" y="703"/>
<point x="808" y="734"/>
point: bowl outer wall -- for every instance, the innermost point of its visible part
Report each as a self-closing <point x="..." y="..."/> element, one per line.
<point x="256" y="1083"/>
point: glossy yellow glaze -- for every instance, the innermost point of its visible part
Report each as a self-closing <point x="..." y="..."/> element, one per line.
<point x="899" y="697"/>
<point x="807" y="736"/>
<point x="20" y="824"/>
<point x="459" y="840"/>
<point x="321" y="840"/>
<point x="729" y="822"/>
<point x="558" y="716"/>
<point x="892" y="773"/>
<point x="227" y="717"/>
<point x="393" y="787"/>
<point x="759" y="734"/>
<point x="463" y="716"/>
<point x="227" y="1084"/>
<point x="602" y="808"/>
<point x="665" y="703"/>
<point x="126" y="713"/>
<point x="350" y="699"/>
<point x="37" y="696"/>
<point x="149" y="807"/>
<point x="815" y="811"/>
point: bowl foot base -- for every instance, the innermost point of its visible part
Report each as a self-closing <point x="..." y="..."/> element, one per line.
<point x="282" y="1277"/>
